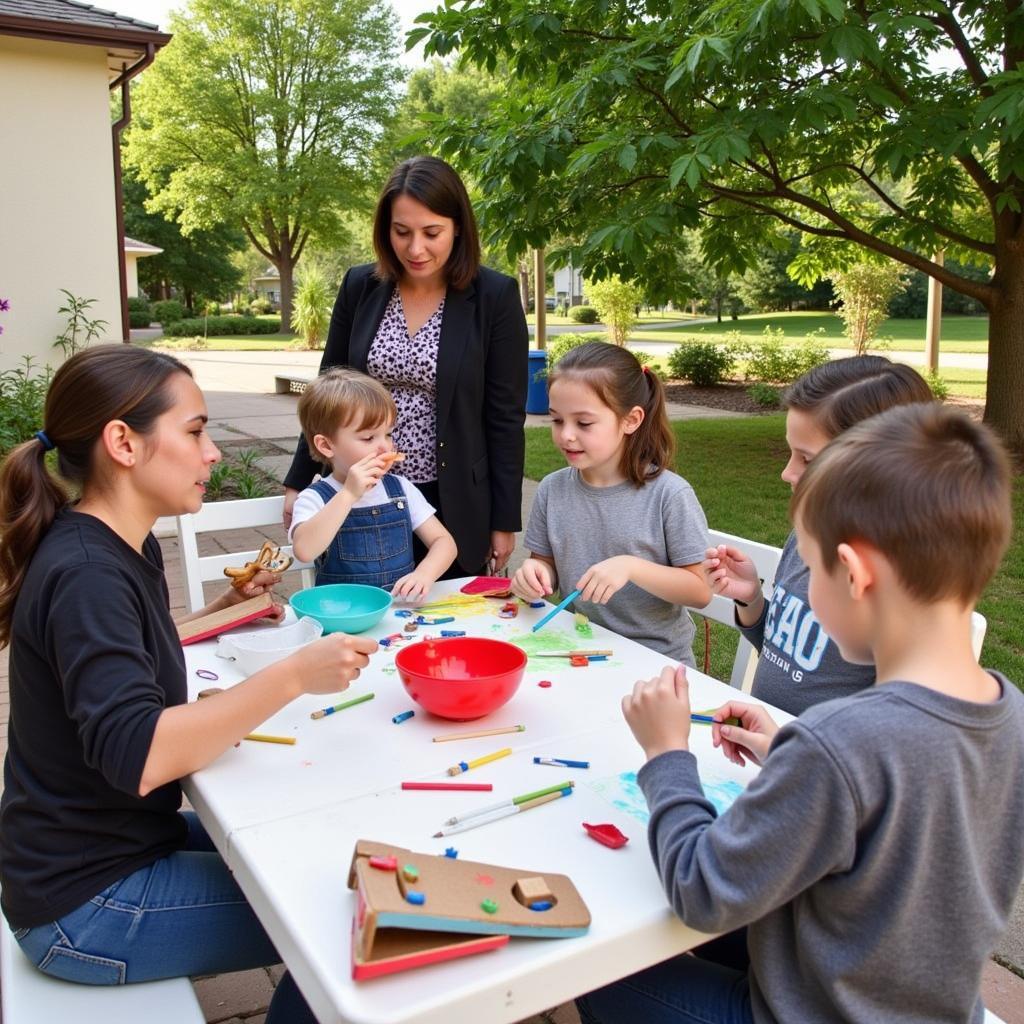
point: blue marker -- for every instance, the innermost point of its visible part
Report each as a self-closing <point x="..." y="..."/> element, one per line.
<point x="453" y="632"/>
<point x="402" y="716"/>
<point x="561" y="762"/>
<point x="403" y="613"/>
<point x="554" y="611"/>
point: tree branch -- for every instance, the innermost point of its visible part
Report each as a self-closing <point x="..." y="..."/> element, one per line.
<point x="958" y="38"/>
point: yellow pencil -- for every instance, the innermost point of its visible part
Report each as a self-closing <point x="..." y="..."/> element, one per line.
<point x="262" y="737"/>
<point x="464" y="766"/>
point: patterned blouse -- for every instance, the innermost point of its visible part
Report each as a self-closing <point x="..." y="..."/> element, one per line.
<point x="407" y="367"/>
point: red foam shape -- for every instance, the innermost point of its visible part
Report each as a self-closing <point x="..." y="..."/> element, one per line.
<point x="384" y="863"/>
<point x="606" y="835"/>
<point x="488" y="586"/>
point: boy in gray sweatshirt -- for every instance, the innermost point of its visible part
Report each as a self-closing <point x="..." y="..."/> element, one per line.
<point x="876" y="857"/>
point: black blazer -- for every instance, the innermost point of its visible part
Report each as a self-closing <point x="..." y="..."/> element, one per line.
<point x="481" y="399"/>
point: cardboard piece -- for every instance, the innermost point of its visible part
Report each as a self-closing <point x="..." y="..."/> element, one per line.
<point x="391" y="934"/>
<point x="227" y="618"/>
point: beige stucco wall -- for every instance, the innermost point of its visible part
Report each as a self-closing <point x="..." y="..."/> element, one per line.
<point x="57" y="220"/>
<point x="131" y="269"/>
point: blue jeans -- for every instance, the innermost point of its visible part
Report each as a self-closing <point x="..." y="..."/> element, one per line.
<point x="684" y="990"/>
<point x="183" y="915"/>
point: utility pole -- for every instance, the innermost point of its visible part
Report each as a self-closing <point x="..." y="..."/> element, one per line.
<point x="539" y="305"/>
<point x="934" y="321"/>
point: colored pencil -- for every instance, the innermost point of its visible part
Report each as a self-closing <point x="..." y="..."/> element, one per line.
<point x="464" y="766"/>
<point x="262" y="737"/>
<point x="505" y="812"/>
<point x="474" y="787"/>
<point x="573" y="654"/>
<point x="341" y="707"/>
<point x="561" y="762"/>
<point x="480" y="732"/>
<point x="554" y="611"/>
<point x="511" y="802"/>
<point x="708" y="718"/>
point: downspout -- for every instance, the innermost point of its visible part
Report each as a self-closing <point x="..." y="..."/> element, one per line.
<point x="127" y="74"/>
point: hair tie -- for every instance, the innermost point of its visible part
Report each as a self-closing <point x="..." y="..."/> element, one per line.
<point x="47" y="444"/>
<point x="646" y="370"/>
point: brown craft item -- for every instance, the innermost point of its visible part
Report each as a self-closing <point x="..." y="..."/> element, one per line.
<point x="269" y="559"/>
<point x="390" y="458"/>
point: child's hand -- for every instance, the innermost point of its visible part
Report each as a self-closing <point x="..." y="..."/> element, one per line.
<point x="732" y="574"/>
<point x="414" y="586"/>
<point x="533" y="580"/>
<point x="750" y="739"/>
<point x="364" y="475"/>
<point x="604" y="579"/>
<point x="658" y="712"/>
<point x="329" y="664"/>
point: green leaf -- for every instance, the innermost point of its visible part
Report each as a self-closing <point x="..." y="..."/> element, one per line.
<point x="627" y="157"/>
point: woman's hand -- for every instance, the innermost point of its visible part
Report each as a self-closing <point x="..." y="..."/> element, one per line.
<point x="750" y="739"/>
<point x="503" y="544"/>
<point x="261" y="583"/>
<point x="658" y="712"/>
<point x="732" y="574"/>
<point x="329" y="664"/>
<point x="290" y="494"/>
<point x="533" y="580"/>
<point x="604" y="579"/>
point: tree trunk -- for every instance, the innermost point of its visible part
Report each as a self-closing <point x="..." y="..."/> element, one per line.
<point x="524" y="287"/>
<point x="1004" y="397"/>
<point x="286" y="268"/>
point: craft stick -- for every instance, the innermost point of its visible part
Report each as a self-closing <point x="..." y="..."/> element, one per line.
<point x="521" y="799"/>
<point x="574" y="653"/>
<point x="464" y="766"/>
<point x="262" y="737"/>
<point x="554" y="611"/>
<point x="505" y="812"/>
<point x="479" y="733"/>
<point x="341" y="707"/>
<point x="474" y="787"/>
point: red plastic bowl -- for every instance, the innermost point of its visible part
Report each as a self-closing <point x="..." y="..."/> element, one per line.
<point x="461" y="677"/>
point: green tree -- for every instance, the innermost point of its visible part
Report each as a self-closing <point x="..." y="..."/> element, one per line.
<point x="896" y="126"/>
<point x="616" y="302"/>
<point x="866" y="289"/>
<point x="768" y="285"/>
<point x="266" y="112"/>
<point x="312" y="313"/>
<point x="199" y="263"/>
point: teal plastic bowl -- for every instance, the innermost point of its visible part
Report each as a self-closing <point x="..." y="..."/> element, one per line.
<point x="342" y="607"/>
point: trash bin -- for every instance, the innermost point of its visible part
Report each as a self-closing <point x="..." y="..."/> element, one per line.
<point x="537" y="391"/>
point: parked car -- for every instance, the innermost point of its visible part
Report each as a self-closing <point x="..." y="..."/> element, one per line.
<point x="549" y="303"/>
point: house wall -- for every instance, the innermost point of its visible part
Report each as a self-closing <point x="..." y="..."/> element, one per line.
<point x="58" y="225"/>
<point x="131" y="269"/>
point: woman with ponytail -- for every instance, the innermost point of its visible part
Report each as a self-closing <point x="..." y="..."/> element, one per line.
<point x="617" y="524"/>
<point x="104" y="880"/>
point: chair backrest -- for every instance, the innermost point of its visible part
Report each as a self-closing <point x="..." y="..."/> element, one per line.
<point x="766" y="558"/>
<point x="226" y="515"/>
<point x="978" y="626"/>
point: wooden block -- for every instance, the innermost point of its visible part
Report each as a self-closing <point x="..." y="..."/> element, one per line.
<point x="220" y="622"/>
<point x="529" y="890"/>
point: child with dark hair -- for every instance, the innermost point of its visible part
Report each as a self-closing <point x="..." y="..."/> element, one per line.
<point x="799" y="664"/>
<point x="877" y="855"/>
<point x="617" y="524"/>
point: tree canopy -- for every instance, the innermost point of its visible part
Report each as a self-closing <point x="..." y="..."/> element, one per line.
<point x="266" y="112"/>
<point x="894" y="127"/>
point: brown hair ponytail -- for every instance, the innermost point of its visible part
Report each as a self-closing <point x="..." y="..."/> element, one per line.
<point x="621" y="383"/>
<point x="95" y="386"/>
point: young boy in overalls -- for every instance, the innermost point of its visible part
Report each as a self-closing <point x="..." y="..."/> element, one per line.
<point x="357" y="523"/>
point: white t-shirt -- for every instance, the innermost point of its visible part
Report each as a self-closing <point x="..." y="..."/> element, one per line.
<point x="308" y="503"/>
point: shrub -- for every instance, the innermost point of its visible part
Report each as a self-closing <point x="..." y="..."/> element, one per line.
<point x="222" y="326"/>
<point x="139" y="318"/>
<point x="184" y="344"/>
<point x="939" y="388"/>
<point x="617" y="303"/>
<point x="563" y="343"/>
<point x="168" y="311"/>
<point x="583" y="314"/>
<point x="646" y="359"/>
<point x="260" y="307"/>
<point x="765" y="395"/>
<point x="311" y="313"/>
<point x="22" y="396"/>
<point x="772" y="361"/>
<point x="138" y="304"/>
<point x="866" y="289"/>
<point x="702" y="362"/>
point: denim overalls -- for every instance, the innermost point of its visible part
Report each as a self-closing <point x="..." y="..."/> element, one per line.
<point x="374" y="544"/>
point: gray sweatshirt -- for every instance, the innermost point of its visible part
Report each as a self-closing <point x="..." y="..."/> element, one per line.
<point x="875" y="858"/>
<point x="800" y="664"/>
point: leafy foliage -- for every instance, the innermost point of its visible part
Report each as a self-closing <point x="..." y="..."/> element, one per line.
<point x="563" y="343"/>
<point x="79" y="329"/>
<point x="583" y="314"/>
<point x="312" y="312"/>
<point x="772" y="361"/>
<point x="866" y="289"/>
<point x="222" y="326"/>
<point x="702" y="362"/>
<point x="764" y="394"/>
<point x="22" y="398"/>
<point x="168" y="311"/>
<point x="617" y="303"/>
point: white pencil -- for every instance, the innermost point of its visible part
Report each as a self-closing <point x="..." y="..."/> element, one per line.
<point x="502" y="812"/>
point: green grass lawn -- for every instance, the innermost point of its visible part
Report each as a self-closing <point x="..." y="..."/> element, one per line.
<point x="959" y="333"/>
<point x="239" y="343"/>
<point x="734" y="467"/>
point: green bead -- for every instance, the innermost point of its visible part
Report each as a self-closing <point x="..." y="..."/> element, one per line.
<point x="489" y="907"/>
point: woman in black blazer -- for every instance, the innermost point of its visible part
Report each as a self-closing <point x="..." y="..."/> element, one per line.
<point x="448" y="338"/>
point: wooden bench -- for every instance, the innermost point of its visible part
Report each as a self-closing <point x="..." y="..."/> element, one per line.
<point x="28" y="996"/>
<point x="289" y="384"/>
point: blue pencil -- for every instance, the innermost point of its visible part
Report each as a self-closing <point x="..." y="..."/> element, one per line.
<point x="561" y="762"/>
<point x="554" y="611"/>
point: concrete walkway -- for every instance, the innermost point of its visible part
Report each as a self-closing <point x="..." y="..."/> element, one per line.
<point x="243" y="413"/>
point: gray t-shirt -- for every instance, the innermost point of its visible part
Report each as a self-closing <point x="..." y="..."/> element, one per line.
<point x="875" y="858"/>
<point x="662" y="522"/>
<point x="800" y="664"/>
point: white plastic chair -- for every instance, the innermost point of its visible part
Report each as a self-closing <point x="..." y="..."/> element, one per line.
<point x="226" y="515"/>
<point x="766" y="558"/>
<point x="979" y="624"/>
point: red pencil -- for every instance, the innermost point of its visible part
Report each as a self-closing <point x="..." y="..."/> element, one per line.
<point x="474" y="787"/>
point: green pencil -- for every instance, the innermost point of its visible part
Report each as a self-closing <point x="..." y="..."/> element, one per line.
<point x="342" y="706"/>
<point x="510" y="802"/>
